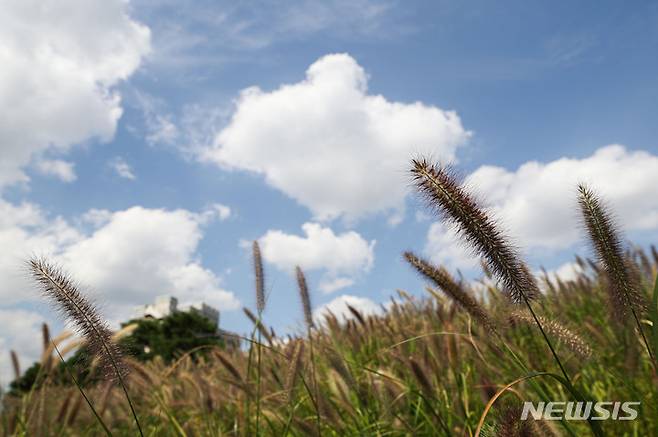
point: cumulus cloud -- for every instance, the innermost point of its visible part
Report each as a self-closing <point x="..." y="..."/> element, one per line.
<point x="60" y="61"/>
<point x="341" y="257"/>
<point x="123" y="259"/>
<point x="444" y="247"/>
<point x="62" y="170"/>
<point x="25" y="230"/>
<point x="331" y="146"/>
<point x="140" y="253"/>
<point x="122" y="168"/>
<point x="339" y="308"/>
<point x="127" y="258"/>
<point x="537" y="203"/>
<point x="21" y="332"/>
<point x="568" y="271"/>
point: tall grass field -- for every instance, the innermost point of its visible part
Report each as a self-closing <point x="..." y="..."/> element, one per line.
<point x="460" y="361"/>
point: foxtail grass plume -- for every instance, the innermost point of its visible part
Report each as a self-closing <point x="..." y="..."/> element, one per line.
<point x="15" y="364"/>
<point x="294" y="369"/>
<point x="622" y="284"/>
<point x="45" y="333"/>
<point x="570" y="339"/>
<point x="228" y="365"/>
<point x="260" y="278"/>
<point x="473" y="224"/>
<point x="304" y="297"/>
<point x="421" y="377"/>
<point x="258" y="324"/>
<point x="357" y="315"/>
<point x="445" y="282"/>
<point x="83" y="315"/>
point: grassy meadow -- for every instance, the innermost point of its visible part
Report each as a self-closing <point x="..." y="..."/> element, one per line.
<point x="458" y="362"/>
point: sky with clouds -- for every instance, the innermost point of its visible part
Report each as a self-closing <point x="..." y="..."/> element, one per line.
<point x="145" y="144"/>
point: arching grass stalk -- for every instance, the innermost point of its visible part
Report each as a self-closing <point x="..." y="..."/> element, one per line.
<point x="64" y="293"/>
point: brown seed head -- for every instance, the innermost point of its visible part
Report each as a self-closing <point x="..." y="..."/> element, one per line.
<point x="445" y="282"/>
<point x="458" y="207"/>
<point x="83" y="315"/>
<point x="622" y="281"/>
<point x="260" y="278"/>
<point x="304" y="297"/>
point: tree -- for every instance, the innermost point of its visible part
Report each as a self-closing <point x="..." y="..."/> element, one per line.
<point x="170" y="336"/>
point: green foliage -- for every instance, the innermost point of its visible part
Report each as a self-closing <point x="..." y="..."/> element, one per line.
<point x="170" y="336"/>
<point x="35" y="377"/>
<point x="26" y="381"/>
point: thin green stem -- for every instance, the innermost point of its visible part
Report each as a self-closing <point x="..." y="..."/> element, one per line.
<point x="315" y="382"/>
<point x="594" y="427"/>
<point x="82" y="392"/>
<point x="258" y="370"/>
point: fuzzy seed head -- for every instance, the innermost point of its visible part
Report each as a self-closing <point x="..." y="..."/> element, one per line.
<point x="294" y="369"/>
<point x="65" y="295"/>
<point x="260" y="278"/>
<point x="15" y="364"/>
<point x="569" y="338"/>
<point x="445" y="282"/>
<point x="304" y="297"/>
<point x="622" y="280"/>
<point x="458" y="207"/>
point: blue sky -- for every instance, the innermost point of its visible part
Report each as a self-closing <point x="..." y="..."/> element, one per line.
<point x="145" y="144"/>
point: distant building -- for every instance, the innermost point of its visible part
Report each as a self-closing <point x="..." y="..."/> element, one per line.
<point x="206" y="311"/>
<point x="164" y="306"/>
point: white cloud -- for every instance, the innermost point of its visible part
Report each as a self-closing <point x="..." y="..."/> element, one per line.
<point x="338" y="307"/>
<point x="122" y="168"/>
<point x="569" y="271"/>
<point x="222" y="211"/>
<point x="25" y="230"/>
<point x="330" y="145"/>
<point x="160" y="127"/>
<point x="188" y="33"/>
<point x="444" y="247"/>
<point x="62" y="170"/>
<point x="60" y="61"/>
<point x="537" y="203"/>
<point x="21" y="332"/>
<point x="141" y="253"/>
<point x="331" y="285"/>
<point x="214" y="211"/>
<point x="342" y="257"/>
<point x="129" y="257"/>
